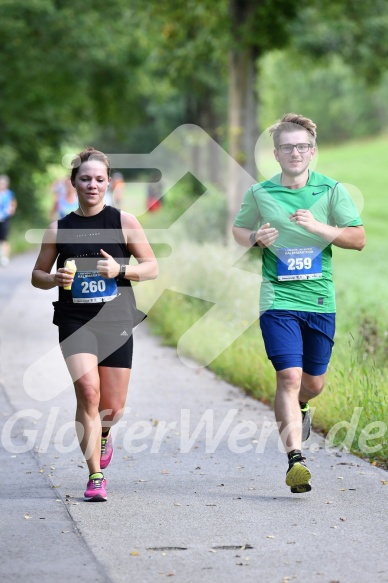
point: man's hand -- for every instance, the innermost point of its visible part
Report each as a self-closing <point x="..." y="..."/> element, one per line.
<point x="266" y="235"/>
<point x="305" y="219"/>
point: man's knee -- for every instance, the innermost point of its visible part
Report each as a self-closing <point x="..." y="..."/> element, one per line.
<point x="313" y="384"/>
<point x="289" y="379"/>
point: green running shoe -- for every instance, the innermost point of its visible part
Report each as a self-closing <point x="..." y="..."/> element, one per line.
<point x="298" y="475"/>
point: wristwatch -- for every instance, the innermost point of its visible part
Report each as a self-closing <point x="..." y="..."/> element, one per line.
<point x="122" y="271"/>
<point x="252" y="238"/>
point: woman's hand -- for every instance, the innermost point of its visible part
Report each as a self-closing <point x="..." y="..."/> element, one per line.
<point x="64" y="277"/>
<point x="108" y="267"/>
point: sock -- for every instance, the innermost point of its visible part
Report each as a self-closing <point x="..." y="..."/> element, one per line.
<point x="293" y="453"/>
<point x="96" y="475"/>
<point x="105" y="433"/>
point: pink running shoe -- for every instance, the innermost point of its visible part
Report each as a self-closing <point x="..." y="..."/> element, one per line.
<point x="95" y="490"/>
<point x="106" y="451"/>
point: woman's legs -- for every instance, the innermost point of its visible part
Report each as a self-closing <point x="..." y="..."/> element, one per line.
<point x="84" y="371"/>
<point x="113" y="394"/>
<point x="98" y="389"/>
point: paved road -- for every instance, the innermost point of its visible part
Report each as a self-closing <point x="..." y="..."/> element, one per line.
<point x="184" y="502"/>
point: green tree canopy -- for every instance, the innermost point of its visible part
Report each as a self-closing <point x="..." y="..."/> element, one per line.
<point x="61" y="66"/>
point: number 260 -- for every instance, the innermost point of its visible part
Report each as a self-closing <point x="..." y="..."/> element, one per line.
<point x="93" y="286"/>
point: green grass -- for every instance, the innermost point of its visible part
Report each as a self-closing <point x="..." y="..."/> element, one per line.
<point x="357" y="379"/>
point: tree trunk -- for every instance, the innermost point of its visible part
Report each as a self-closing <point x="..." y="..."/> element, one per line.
<point x="243" y="127"/>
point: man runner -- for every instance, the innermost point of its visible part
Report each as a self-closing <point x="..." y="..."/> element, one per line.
<point x="295" y="218"/>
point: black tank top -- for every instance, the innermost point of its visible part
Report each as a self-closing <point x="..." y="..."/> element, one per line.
<point x="82" y="238"/>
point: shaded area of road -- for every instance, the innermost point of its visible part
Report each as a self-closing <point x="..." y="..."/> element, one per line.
<point x="196" y="486"/>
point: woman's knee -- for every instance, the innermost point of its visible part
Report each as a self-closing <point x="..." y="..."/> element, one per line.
<point x="87" y="393"/>
<point x="114" y="412"/>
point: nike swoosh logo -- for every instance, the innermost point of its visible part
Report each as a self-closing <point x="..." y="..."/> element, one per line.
<point x="315" y="193"/>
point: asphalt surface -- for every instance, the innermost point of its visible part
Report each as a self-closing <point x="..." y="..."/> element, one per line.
<point x="184" y="502"/>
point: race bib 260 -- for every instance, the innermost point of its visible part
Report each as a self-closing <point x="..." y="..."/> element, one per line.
<point x="89" y="287"/>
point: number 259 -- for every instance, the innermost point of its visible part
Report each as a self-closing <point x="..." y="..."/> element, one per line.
<point x="299" y="263"/>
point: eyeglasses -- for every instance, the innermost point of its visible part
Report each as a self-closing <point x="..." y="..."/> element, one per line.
<point x="288" y="148"/>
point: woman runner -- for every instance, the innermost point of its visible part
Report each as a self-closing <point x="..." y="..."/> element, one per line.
<point x="96" y="311"/>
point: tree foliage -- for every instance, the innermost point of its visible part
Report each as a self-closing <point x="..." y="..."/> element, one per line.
<point x="61" y="66"/>
<point x="355" y="30"/>
<point x="135" y="70"/>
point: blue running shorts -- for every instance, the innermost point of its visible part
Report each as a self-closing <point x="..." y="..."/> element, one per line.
<point x="298" y="339"/>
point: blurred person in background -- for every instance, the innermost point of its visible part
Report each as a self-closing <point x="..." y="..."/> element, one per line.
<point x="115" y="192"/>
<point x="65" y="199"/>
<point x="154" y="193"/>
<point x="8" y="206"/>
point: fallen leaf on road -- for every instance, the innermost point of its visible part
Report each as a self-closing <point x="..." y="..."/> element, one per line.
<point x="384" y="482"/>
<point x="270" y="536"/>
<point x="164" y="471"/>
<point x="134" y="553"/>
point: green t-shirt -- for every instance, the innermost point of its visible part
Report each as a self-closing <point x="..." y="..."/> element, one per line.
<point x="297" y="270"/>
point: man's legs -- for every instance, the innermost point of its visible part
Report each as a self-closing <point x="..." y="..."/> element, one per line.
<point x="287" y="409"/>
<point x="294" y="387"/>
<point x="297" y="342"/>
<point x="289" y="418"/>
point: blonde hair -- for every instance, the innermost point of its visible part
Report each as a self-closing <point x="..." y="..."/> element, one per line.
<point x="289" y="123"/>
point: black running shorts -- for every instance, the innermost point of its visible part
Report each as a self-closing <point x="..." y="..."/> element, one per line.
<point x="111" y="342"/>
